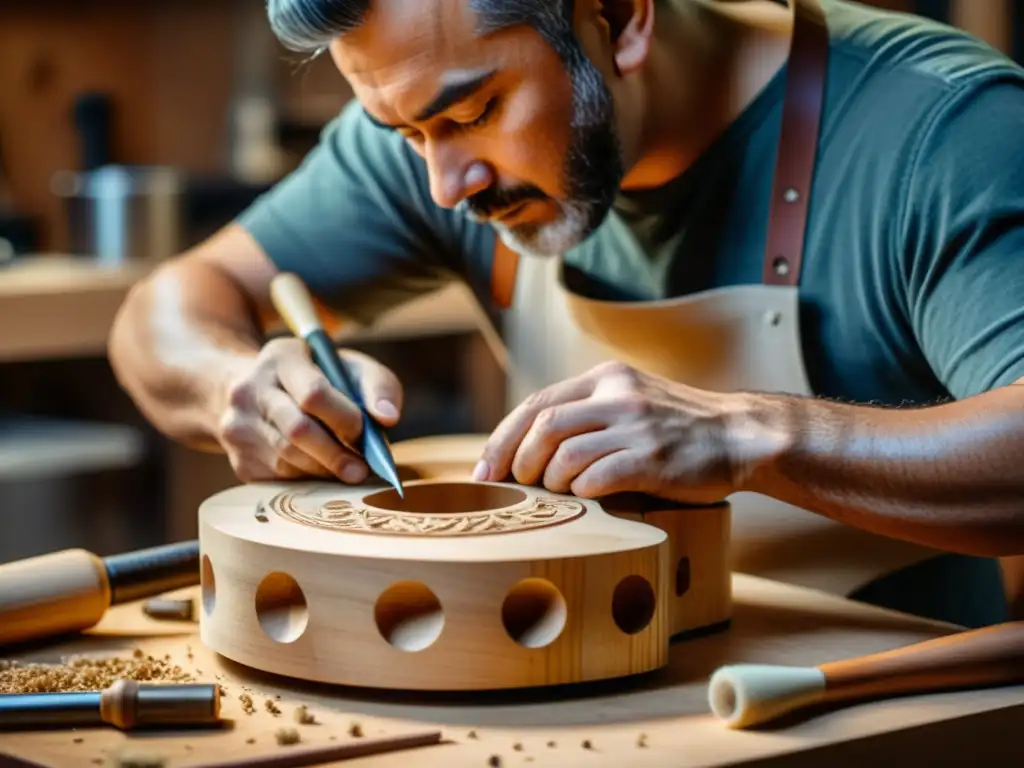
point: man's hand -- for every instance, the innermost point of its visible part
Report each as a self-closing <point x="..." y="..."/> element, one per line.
<point x="613" y="430"/>
<point x="282" y="419"/>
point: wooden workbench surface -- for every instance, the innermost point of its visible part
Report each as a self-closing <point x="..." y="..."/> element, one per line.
<point x="54" y="306"/>
<point x="773" y="623"/>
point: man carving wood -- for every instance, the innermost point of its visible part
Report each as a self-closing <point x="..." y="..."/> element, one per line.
<point x="738" y="250"/>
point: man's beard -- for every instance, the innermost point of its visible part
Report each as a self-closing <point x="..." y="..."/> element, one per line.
<point x="593" y="172"/>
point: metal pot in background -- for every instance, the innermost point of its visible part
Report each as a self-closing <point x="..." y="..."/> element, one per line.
<point x="118" y="213"/>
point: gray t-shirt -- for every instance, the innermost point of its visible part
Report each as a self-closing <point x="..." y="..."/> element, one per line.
<point x="912" y="282"/>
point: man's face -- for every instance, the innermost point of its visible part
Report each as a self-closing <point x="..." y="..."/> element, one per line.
<point x="509" y="130"/>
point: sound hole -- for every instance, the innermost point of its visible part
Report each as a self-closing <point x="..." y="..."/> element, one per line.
<point x="682" y="576"/>
<point x="208" y="584"/>
<point x="633" y="604"/>
<point x="534" y="613"/>
<point x="447" y="498"/>
<point x="281" y="607"/>
<point x="409" y="616"/>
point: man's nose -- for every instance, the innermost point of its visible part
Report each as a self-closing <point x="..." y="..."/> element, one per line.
<point x="454" y="177"/>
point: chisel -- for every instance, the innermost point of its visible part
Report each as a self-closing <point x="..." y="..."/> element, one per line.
<point x="70" y="590"/>
<point x="295" y="305"/>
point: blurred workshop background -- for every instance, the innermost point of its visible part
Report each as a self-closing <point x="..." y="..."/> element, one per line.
<point x="162" y="119"/>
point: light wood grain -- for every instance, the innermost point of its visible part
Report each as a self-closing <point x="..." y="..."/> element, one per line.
<point x="772" y="624"/>
<point x="51" y="594"/>
<point x="55" y="306"/>
<point x="746" y="695"/>
<point x="456" y="586"/>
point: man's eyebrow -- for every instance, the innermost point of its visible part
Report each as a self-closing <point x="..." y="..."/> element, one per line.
<point x="458" y="88"/>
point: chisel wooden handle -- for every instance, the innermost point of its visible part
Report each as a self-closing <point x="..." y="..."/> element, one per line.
<point x="749" y="694"/>
<point x="52" y="594"/>
<point x="70" y="591"/>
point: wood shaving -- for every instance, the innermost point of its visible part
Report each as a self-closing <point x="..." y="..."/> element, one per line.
<point x="138" y="760"/>
<point x="302" y="715"/>
<point x="247" y="706"/>
<point x="81" y="673"/>
<point x="287" y="736"/>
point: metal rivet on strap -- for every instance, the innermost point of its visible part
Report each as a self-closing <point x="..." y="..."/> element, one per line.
<point x="791" y="195"/>
<point x="780" y="266"/>
<point x="773" y="317"/>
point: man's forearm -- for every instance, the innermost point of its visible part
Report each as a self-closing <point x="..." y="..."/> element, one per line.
<point x="175" y="343"/>
<point x="949" y="476"/>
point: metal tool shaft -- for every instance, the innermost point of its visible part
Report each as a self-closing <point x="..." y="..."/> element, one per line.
<point x="30" y="710"/>
<point x="373" y="445"/>
<point x="148" y="572"/>
<point x="126" y="705"/>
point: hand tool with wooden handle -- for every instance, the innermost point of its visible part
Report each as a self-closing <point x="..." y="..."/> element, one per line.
<point x="71" y="590"/>
<point x="126" y="704"/>
<point x="744" y="695"/>
<point x="295" y="305"/>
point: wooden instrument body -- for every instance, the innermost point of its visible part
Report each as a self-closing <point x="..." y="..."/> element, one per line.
<point x="460" y="586"/>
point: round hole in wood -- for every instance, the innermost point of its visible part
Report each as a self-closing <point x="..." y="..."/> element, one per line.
<point x="409" y="616"/>
<point x="534" y="613"/>
<point x="208" y="585"/>
<point x="682" y="576"/>
<point x="281" y="607"/>
<point x="633" y="604"/>
<point x="447" y="498"/>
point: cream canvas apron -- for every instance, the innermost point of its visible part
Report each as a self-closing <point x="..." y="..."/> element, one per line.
<point x="738" y="338"/>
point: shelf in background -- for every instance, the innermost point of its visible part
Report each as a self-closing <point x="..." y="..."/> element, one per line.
<point x="34" y="448"/>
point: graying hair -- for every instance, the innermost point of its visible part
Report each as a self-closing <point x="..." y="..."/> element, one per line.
<point x="309" y="26"/>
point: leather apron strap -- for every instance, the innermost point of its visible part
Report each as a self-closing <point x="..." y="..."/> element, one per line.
<point x="794" y="170"/>
<point x="798" y="144"/>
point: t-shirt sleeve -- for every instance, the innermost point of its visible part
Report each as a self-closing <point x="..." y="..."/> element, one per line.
<point x="962" y="236"/>
<point x="356" y="222"/>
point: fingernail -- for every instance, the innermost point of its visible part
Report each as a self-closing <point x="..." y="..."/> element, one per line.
<point x="481" y="470"/>
<point x="353" y="473"/>
<point x="387" y="409"/>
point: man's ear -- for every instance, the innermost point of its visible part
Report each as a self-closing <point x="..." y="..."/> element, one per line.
<point x="631" y="24"/>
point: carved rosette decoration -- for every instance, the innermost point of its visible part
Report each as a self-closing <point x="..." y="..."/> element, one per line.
<point x="341" y="515"/>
